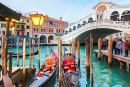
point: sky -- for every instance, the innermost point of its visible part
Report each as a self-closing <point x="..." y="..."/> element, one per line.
<point x="70" y="10"/>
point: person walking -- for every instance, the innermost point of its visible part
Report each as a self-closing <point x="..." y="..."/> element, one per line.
<point x="126" y="48"/>
<point x="114" y="46"/>
<point x="120" y="45"/>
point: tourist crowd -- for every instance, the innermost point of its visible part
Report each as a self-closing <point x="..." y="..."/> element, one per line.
<point x="117" y="46"/>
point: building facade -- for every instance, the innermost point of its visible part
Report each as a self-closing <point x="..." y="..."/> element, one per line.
<point x="51" y="29"/>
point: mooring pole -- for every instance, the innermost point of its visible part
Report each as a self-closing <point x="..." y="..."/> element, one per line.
<point x="13" y="28"/>
<point x="7" y="41"/>
<point x="33" y="53"/>
<point x="3" y="56"/>
<point x="87" y="51"/>
<point x="99" y="49"/>
<point x="17" y="51"/>
<point x="30" y="59"/>
<point x="110" y="52"/>
<point x="78" y="52"/>
<point x="91" y="49"/>
<point x="73" y="47"/>
<point x="39" y="53"/>
<point x="59" y="58"/>
<point x="70" y="46"/>
<point x="24" y="44"/>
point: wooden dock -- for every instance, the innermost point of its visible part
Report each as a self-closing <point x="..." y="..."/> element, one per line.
<point x="119" y="59"/>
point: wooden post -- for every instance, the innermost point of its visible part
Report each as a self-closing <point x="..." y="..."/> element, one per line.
<point x="70" y="46"/>
<point x="24" y="44"/>
<point x="129" y="67"/>
<point x="10" y="63"/>
<point x="99" y="49"/>
<point x="110" y="52"/>
<point x="78" y="52"/>
<point x="39" y="53"/>
<point x="105" y="58"/>
<point x="33" y="53"/>
<point x="91" y="49"/>
<point x="73" y="47"/>
<point x="3" y="55"/>
<point x="59" y="59"/>
<point x="30" y="59"/>
<point x="17" y="51"/>
<point x="7" y="41"/>
<point x="123" y="64"/>
<point x="87" y="51"/>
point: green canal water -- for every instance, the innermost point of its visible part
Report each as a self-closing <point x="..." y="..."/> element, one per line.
<point x="103" y="76"/>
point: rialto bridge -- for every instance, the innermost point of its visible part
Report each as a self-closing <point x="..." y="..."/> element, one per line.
<point x="117" y="20"/>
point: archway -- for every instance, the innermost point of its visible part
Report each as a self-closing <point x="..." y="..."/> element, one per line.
<point x="66" y="32"/>
<point x="74" y="28"/>
<point x="50" y="38"/>
<point x="102" y="32"/>
<point x="43" y="39"/>
<point x="84" y="22"/>
<point x="115" y="16"/>
<point x="79" y="25"/>
<point x="70" y="30"/>
<point x="125" y="16"/>
<point x="90" y="20"/>
<point x="101" y="12"/>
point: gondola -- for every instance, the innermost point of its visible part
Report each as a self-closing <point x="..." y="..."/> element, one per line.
<point x="46" y="72"/>
<point x="27" y="54"/>
<point x="70" y="70"/>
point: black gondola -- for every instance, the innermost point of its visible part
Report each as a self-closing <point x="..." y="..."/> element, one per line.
<point x="44" y="76"/>
<point x="70" y="70"/>
<point x="27" y="54"/>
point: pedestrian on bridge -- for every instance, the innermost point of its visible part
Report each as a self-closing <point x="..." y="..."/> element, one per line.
<point x="120" y="46"/>
<point x="126" y="44"/>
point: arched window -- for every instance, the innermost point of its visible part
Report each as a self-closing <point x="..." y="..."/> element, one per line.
<point x="125" y="16"/>
<point x="74" y="28"/>
<point x="66" y="32"/>
<point x="115" y="16"/>
<point x="84" y="22"/>
<point x="70" y="30"/>
<point x="63" y="31"/>
<point x="90" y="20"/>
<point x="79" y="25"/>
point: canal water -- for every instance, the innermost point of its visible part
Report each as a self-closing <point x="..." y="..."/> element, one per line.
<point x="103" y="76"/>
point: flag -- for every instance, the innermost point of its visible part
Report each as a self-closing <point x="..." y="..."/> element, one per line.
<point x="54" y="23"/>
<point x="50" y="23"/>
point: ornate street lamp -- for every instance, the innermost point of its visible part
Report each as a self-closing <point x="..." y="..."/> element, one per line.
<point x="37" y="19"/>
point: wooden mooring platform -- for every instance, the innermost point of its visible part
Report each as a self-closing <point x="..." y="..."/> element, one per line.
<point x="119" y="59"/>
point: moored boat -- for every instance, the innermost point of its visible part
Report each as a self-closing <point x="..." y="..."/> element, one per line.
<point x="46" y="72"/>
<point x="70" y="70"/>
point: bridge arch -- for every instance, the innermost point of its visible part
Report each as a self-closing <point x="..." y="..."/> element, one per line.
<point x="125" y="15"/>
<point x="115" y="16"/>
<point x="66" y="32"/>
<point x="102" y="32"/>
<point x="74" y="28"/>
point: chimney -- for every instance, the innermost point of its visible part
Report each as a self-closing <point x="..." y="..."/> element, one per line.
<point x="46" y="17"/>
<point x="61" y="18"/>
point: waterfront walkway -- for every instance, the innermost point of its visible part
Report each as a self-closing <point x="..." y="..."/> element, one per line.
<point x="118" y="57"/>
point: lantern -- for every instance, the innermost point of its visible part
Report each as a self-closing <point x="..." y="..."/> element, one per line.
<point x="37" y="19"/>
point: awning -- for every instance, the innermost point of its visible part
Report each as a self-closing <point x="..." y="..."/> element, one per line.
<point x="7" y="12"/>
